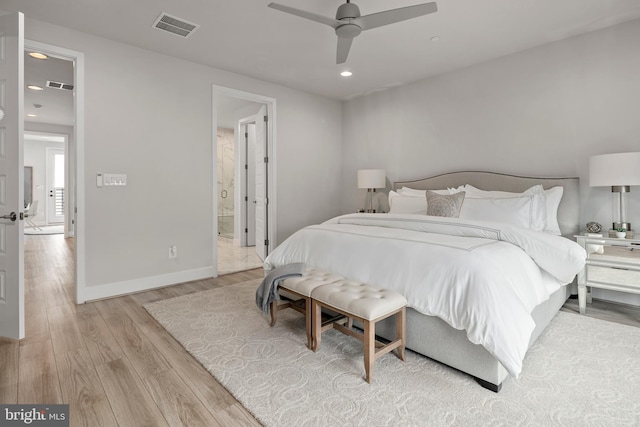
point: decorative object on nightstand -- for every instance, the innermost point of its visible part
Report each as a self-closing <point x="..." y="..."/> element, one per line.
<point x="371" y="179"/>
<point x="594" y="227"/>
<point x="612" y="263"/>
<point x="620" y="171"/>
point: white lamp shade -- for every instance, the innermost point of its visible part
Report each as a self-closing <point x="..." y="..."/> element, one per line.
<point x="618" y="169"/>
<point x="371" y="178"/>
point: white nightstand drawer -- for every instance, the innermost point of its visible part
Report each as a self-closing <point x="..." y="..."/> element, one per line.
<point x="629" y="278"/>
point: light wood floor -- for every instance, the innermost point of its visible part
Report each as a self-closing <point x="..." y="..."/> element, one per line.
<point x="114" y="364"/>
<point x="109" y="360"/>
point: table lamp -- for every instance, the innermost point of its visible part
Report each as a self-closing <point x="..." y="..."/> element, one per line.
<point x="371" y="179"/>
<point x="620" y="171"/>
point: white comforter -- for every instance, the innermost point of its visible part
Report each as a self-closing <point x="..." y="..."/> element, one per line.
<point x="481" y="277"/>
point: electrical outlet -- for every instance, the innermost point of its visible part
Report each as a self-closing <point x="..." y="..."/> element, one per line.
<point x="173" y="251"/>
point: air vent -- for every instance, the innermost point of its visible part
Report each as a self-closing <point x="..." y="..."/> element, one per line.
<point x="59" y="85"/>
<point x="175" y="25"/>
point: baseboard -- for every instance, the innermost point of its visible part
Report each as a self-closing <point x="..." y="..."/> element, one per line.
<point x="109" y="290"/>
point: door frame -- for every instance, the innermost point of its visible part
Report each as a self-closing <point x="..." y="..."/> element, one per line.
<point x="76" y="158"/>
<point x="270" y="102"/>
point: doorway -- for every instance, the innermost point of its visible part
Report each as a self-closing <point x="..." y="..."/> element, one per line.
<point x="59" y="119"/>
<point x="245" y="179"/>
<point x="45" y="155"/>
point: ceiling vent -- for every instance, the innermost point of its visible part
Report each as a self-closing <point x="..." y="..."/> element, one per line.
<point x="175" y="25"/>
<point x="59" y="85"/>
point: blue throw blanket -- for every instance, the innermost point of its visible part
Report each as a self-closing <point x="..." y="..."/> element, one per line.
<point x="267" y="292"/>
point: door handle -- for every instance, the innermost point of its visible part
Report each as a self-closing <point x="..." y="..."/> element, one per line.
<point x="12" y="216"/>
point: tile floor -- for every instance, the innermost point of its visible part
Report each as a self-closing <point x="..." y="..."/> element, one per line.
<point x="233" y="258"/>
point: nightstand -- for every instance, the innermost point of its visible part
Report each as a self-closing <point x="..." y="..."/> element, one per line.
<point x="612" y="264"/>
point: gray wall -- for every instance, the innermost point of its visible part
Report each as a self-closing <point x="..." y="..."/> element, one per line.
<point x="540" y="112"/>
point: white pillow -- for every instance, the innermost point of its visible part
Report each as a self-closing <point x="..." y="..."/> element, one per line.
<point x="399" y="203"/>
<point x="406" y="191"/>
<point x="518" y="211"/>
<point x="538" y="205"/>
<point x="553" y="197"/>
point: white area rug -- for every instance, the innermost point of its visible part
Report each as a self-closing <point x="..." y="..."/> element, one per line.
<point x="50" y="229"/>
<point x="581" y="372"/>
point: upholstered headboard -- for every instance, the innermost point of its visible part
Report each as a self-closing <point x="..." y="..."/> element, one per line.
<point x="568" y="211"/>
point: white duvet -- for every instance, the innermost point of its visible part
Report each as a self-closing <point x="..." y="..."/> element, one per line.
<point x="481" y="277"/>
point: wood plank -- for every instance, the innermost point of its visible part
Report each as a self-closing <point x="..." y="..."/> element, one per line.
<point x="63" y="325"/>
<point x="177" y="402"/>
<point x="9" y="356"/>
<point x="237" y="415"/>
<point x="36" y="322"/>
<point x="131" y="403"/>
<point x="199" y="380"/>
<point x="83" y="391"/>
<point x="99" y="340"/>
<point x="38" y="376"/>
<point x="140" y="316"/>
<point x="139" y="351"/>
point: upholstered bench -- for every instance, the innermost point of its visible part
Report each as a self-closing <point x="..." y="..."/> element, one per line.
<point x="364" y="303"/>
<point x="299" y="288"/>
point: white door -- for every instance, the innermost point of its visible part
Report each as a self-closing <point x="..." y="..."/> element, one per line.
<point x="262" y="196"/>
<point x="250" y="182"/>
<point x="11" y="176"/>
<point x="55" y="185"/>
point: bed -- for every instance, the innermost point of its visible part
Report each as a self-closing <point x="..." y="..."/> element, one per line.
<point x="483" y="321"/>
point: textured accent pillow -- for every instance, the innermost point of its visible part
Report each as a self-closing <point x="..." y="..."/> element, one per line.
<point x="444" y="204"/>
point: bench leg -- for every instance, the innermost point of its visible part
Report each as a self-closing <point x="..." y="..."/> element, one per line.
<point x="401" y="325"/>
<point x="308" y="317"/>
<point x="274" y="313"/>
<point x="316" y="324"/>
<point x="369" y="349"/>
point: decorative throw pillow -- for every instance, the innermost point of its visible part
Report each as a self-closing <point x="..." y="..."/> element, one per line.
<point x="444" y="204"/>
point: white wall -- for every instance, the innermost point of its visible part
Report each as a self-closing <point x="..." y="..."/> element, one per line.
<point x="541" y="112"/>
<point x="150" y="116"/>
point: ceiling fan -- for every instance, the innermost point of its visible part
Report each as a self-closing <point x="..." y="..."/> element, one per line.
<point x="349" y="23"/>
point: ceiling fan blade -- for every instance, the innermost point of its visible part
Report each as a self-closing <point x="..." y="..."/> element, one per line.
<point x="394" y="15"/>
<point x="344" y="45"/>
<point x="334" y="23"/>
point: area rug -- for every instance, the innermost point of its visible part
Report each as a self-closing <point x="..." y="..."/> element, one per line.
<point x="50" y="229"/>
<point x="581" y="372"/>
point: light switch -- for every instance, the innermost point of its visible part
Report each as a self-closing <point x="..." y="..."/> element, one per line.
<point x="115" y="179"/>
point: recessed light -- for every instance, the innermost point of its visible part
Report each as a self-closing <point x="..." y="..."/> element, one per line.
<point x="435" y="38"/>
<point x="34" y="87"/>
<point x="38" y="55"/>
<point x="32" y="115"/>
<point x="346" y="73"/>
